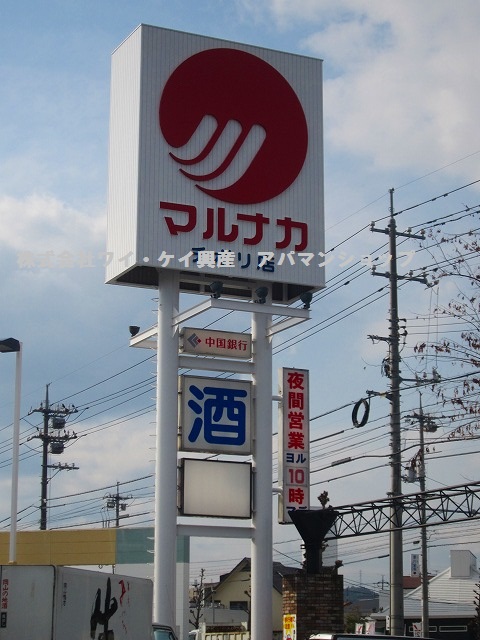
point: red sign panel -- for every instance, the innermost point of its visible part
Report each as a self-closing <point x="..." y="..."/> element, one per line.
<point x="294" y="443"/>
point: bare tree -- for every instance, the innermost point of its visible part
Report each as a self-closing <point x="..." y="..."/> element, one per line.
<point x="197" y="601"/>
<point x="458" y="264"/>
<point x="475" y="623"/>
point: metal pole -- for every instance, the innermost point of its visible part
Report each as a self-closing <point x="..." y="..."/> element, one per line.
<point x="44" y="480"/>
<point x="12" y="558"/>
<point x="117" y="506"/>
<point x="423" y="535"/>
<point x="262" y="537"/>
<point x="396" y="538"/>
<point x="166" y="458"/>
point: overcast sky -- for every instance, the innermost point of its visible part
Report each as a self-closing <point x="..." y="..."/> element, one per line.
<point x="401" y="96"/>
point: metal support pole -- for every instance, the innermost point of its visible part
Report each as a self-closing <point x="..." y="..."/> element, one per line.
<point x="423" y="534"/>
<point x="117" y="506"/>
<point x="12" y="558"/>
<point x="262" y="537"/>
<point x="396" y="538"/>
<point x="44" y="480"/>
<point x="166" y="447"/>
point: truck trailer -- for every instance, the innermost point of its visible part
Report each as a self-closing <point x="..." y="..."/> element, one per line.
<point x="59" y="603"/>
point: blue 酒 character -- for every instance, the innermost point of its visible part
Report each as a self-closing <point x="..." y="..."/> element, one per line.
<point x="221" y="414"/>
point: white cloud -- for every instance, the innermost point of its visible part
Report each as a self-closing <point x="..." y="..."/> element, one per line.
<point x="42" y="222"/>
<point x="409" y="98"/>
<point x="401" y="85"/>
<point x="123" y="452"/>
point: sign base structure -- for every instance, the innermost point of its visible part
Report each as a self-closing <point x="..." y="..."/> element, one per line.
<point x="254" y="480"/>
<point x="209" y="192"/>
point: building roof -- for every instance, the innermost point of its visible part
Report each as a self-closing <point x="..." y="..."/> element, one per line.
<point x="279" y="570"/>
<point x="451" y="593"/>
<point x="411" y="582"/>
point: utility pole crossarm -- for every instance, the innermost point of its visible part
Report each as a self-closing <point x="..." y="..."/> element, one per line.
<point x="117" y="502"/>
<point x="412" y="236"/>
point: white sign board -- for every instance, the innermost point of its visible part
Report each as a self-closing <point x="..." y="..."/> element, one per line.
<point x="216" y="489"/>
<point x="370" y="627"/>
<point x="215" y="163"/>
<point x="294" y="443"/>
<point x="216" y="415"/>
<point x="207" y="342"/>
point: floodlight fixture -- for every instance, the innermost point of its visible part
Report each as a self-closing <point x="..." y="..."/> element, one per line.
<point x="216" y="288"/>
<point x="9" y="345"/>
<point x="261" y="293"/>
<point x="306" y="298"/>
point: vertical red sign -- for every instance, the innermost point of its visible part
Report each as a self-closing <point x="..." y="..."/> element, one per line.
<point x="294" y="443"/>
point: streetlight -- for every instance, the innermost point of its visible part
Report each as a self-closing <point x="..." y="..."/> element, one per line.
<point x="11" y="345"/>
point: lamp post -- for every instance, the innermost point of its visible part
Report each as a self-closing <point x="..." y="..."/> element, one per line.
<point x="11" y="345"/>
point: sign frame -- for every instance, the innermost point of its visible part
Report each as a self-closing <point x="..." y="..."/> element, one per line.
<point x="293" y="442"/>
<point x="212" y="342"/>
<point x="156" y="215"/>
<point x="218" y="406"/>
<point x="215" y="488"/>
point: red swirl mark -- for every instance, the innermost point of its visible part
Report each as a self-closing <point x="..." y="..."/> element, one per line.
<point x="233" y="85"/>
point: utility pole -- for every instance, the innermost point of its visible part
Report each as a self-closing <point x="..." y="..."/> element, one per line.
<point x="396" y="537"/>
<point x="54" y="417"/>
<point x="423" y="531"/>
<point x="425" y="424"/>
<point x="117" y="502"/>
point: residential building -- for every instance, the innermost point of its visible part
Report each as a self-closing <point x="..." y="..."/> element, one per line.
<point x="451" y="600"/>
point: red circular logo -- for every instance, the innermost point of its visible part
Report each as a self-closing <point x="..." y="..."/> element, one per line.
<point x="238" y="89"/>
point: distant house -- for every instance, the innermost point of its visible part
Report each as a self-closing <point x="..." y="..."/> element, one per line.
<point x="451" y="600"/>
<point x="233" y="592"/>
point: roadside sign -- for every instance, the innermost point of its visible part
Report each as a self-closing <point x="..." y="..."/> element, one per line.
<point x="207" y="342"/>
<point x="215" y="489"/>
<point x="216" y="415"/>
<point x="289" y="627"/>
<point x="294" y="443"/>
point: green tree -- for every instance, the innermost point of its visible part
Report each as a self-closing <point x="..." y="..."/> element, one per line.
<point x="352" y="618"/>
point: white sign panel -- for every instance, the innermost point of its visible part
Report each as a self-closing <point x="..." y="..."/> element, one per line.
<point x="294" y="443"/>
<point x="370" y="627"/>
<point x="216" y="415"/>
<point x="208" y="342"/>
<point x="216" y="489"/>
<point x="215" y="163"/>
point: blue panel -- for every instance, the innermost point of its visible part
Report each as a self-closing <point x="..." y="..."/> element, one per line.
<point x="134" y="546"/>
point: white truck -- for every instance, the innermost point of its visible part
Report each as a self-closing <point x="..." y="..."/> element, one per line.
<point x="64" y="603"/>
